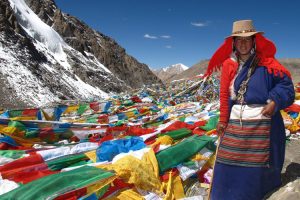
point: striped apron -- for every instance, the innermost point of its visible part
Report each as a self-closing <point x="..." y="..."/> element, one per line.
<point x="246" y="141"/>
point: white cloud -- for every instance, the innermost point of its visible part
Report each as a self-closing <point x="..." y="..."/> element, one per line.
<point x="275" y="23"/>
<point x="165" y="36"/>
<point x="150" y="36"/>
<point x="168" y="47"/>
<point x="198" y="24"/>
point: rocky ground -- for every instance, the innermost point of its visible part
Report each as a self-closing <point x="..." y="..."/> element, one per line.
<point x="290" y="189"/>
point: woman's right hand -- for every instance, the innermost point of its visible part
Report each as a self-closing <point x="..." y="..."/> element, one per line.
<point x="221" y="126"/>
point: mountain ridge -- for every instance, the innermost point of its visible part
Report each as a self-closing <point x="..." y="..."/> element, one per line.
<point x="166" y="73"/>
<point x="36" y="70"/>
<point x="292" y="64"/>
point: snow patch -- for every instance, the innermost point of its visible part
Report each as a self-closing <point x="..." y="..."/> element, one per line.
<point x="95" y="60"/>
<point x="44" y="35"/>
<point x="27" y="86"/>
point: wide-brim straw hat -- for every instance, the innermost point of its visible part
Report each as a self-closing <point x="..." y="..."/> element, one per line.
<point x="243" y="28"/>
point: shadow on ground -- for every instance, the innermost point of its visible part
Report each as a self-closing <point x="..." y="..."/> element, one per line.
<point x="291" y="173"/>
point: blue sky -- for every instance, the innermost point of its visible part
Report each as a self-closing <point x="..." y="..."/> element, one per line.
<point x="164" y="32"/>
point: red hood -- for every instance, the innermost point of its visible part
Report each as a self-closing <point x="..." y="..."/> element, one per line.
<point x="265" y="50"/>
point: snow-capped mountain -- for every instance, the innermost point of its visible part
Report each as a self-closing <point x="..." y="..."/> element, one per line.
<point x="166" y="73"/>
<point x="46" y="55"/>
<point x="175" y="68"/>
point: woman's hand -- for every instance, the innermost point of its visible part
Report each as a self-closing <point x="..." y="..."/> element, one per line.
<point x="221" y="126"/>
<point x="269" y="109"/>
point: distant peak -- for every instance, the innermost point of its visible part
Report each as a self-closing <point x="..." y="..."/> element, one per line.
<point x="167" y="72"/>
<point x="178" y="66"/>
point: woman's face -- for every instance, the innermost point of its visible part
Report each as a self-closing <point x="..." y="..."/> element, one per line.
<point x="243" y="45"/>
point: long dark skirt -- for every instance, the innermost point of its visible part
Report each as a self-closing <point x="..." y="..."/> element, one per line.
<point x="252" y="183"/>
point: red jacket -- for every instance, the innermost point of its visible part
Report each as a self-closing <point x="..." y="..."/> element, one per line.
<point x="229" y="69"/>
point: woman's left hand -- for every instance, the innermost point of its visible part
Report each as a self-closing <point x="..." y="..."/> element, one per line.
<point x="269" y="109"/>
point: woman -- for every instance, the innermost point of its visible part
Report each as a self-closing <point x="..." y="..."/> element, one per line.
<point x="254" y="88"/>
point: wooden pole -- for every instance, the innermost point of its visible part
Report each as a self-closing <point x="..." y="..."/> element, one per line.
<point x="212" y="176"/>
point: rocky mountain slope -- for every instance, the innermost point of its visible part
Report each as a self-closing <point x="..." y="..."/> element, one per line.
<point x="293" y="65"/>
<point x="86" y="40"/>
<point x="47" y="55"/>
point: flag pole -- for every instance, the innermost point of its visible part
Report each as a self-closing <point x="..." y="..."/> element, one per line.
<point x="212" y="176"/>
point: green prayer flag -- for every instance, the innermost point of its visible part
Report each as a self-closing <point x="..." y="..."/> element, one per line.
<point x="178" y="134"/>
<point x="65" y="161"/>
<point x="15" y="113"/>
<point x="18" y="125"/>
<point x="55" y="185"/>
<point x="181" y="152"/>
<point x="82" y="108"/>
<point x="211" y="124"/>
<point x="13" y="154"/>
